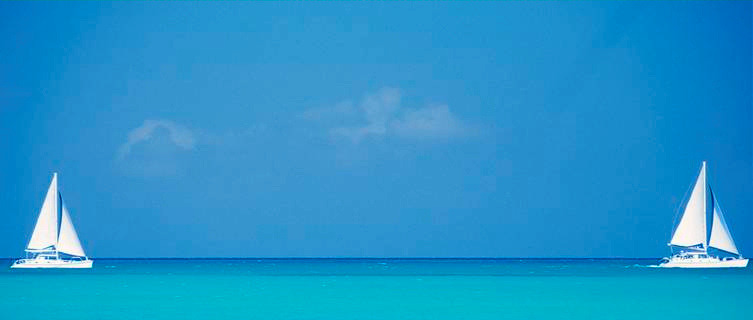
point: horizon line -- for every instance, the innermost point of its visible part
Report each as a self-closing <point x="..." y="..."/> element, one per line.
<point x="362" y="258"/>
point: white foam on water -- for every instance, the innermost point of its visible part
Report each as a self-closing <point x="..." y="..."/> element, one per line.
<point x="643" y="266"/>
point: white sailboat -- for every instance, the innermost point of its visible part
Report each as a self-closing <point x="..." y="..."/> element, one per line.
<point x="54" y="242"/>
<point x="692" y="238"/>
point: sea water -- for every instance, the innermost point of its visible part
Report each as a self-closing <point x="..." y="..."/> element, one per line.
<point x="375" y="289"/>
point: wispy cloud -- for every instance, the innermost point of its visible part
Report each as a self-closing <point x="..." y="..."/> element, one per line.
<point x="160" y="147"/>
<point x="429" y="122"/>
<point x="156" y="148"/>
<point x="381" y="114"/>
<point x="178" y="135"/>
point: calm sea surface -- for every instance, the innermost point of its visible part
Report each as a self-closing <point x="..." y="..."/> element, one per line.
<point x="375" y="289"/>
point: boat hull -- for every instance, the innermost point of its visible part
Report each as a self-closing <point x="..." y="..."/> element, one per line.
<point x="52" y="264"/>
<point x="705" y="263"/>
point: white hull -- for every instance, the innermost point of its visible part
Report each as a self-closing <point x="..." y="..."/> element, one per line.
<point x="52" y="263"/>
<point x="704" y="263"/>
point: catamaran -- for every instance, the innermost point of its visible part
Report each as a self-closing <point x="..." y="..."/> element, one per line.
<point x="54" y="242"/>
<point x="690" y="236"/>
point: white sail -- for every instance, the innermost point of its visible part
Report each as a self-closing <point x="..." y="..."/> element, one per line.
<point x="691" y="230"/>
<point x="45" y="232"/>
<point x="68" y="240"/>
<point x="720" y="236"/>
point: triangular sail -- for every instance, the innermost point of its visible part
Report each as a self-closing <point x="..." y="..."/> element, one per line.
<point x="691" y="231"/>
<point x="68" y="241"/>
<point x="720" y="235"/>
<point x="45" y="232"/>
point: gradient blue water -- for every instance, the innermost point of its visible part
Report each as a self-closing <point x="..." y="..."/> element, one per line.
<point x="375" y="289"/>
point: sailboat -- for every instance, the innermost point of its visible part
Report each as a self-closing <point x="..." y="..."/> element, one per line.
<point x="691" y="236"/>
<point x="54" y="242"/>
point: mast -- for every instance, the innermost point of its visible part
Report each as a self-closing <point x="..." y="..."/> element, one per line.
<point x="705" y="235"/>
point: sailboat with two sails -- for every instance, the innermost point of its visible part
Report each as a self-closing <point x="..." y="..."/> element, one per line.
<point x="691" y="236"/>
<point x="54" y="242"/>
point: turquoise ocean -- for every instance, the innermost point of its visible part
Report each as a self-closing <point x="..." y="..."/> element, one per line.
<point x="376" y="289"/>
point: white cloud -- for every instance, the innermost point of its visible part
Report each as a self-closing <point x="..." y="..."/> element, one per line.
<point x="429" y="122"/>
<point x="156" y="148"/>
<point x="381" y="115"/>
<point x="177" y="134"/>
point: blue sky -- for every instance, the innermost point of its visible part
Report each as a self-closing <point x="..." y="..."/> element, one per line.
<point x="516" y="129"/>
